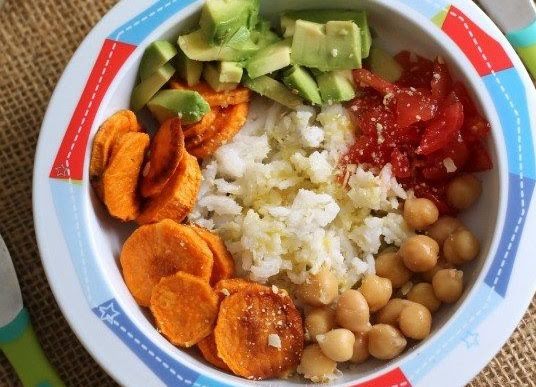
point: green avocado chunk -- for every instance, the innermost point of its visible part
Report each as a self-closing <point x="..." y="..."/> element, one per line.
<point x="335" y="45"/>
<point x="274" y="90"/>
<point x="147" y="88"/>
<point x="186" y="104"/>
<point x="221" y="19"/>
<point x="213" y="75"/>
<point x="298" y="79"/>
<point x="335" y="87"/>
<point x="384" y="65"/>
<point x="196" y="47"/>
<point x="271" y="58"/>
<point x="189" y="70"/>
<point x="288" y="22"/>
<point x="156" y="55"/>
<point x="262" y="36"/>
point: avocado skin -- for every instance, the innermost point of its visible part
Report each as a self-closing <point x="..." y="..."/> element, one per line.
<point x="275" y="90"/>
<point x="297" y="78"/>
<point x="189" y="105"/>
<point x="147" y="88"/>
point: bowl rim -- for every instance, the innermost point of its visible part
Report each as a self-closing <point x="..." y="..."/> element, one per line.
<point x="100" y="325"/>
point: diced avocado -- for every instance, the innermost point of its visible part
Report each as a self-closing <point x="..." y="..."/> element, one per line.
<point x="186" y="104"/>
<point x="196" y="47"/>
<point x="335" y="87"/>
<point x="297" y="78"/>
<point x="272" y="58"/>
<point x="384" y="65"/>
<point x="189" y="70"/>
<point x="327" y="47"/>
<point x="156" y="55"/>
<point x="221" y="19"/>
<point x="230" y="72"/>
<point x="147" y="88"/>
<point x="262" y="36"/>
<point x="288" y="21"/>
<point x="212" y="75"/>
<point x="274" y="90"/>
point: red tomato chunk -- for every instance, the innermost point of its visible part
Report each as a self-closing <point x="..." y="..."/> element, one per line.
<point x="425" y="125"/>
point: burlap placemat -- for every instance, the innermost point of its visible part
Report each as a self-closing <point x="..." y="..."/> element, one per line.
<point x="37" y="38"/>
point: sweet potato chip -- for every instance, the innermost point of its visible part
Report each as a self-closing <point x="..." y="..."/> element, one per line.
<point x="120" y="179"/>
<point x="196" y="130"/>
<point x="178" y="196"/>
<point x="259" y="334"/>
<point x="223" y="260"/>
<point x="228" y="286"/>
<point x="160" y="250"/>
<point x="166" y="152"/>
<point x="185" y="308"/>
<point x="109" y="132"/>
<point x="227" y="126"/>
<point x="216" y="98"/>
<point x="208" y="349"/>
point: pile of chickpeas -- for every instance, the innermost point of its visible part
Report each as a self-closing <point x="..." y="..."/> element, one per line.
<point x="396" y="303"/>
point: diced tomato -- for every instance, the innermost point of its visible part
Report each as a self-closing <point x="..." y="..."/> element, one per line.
<point x="413" y="106"/>
<point x="475" y="128"/>
<point x="463" y="96"/>
<point x="401" y="164"/>
<point x="480" y="160"/>
<point x="442" y="130"/>
<point x="404" y="59"/>
<point x="417" y="73"/>
<point x="441" y="81"/>
<point x="367" y="78"/>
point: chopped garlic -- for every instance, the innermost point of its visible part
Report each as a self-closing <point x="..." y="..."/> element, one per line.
<point x="274" y="340"/>
<point x="449" y="165"/>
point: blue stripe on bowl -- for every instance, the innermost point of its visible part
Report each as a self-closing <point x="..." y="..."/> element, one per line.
<point x="524" y="37"/>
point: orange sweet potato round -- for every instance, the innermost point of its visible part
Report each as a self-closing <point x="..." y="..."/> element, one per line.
<point x="228" y="124"/>
<point x="120" y="179"/>
<point x="247" y="334"/>
<point x="178" y="197"/>
<point x="208" y="349"/>
<point x="196" y="130"/>
<point x="224" y="266"/>
<point x="166" y="152"/>
<point x="228" y="286"/>
<point x="185" y="308"/>
<point x="159" y="250"/>
<point x="216" y="98"/>
<point x="108" y="134"/>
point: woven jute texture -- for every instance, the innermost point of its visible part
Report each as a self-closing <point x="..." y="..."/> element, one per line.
<point x="37" y="38"/>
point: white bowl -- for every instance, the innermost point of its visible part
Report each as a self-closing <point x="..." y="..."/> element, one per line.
<point x="79" y="244"/>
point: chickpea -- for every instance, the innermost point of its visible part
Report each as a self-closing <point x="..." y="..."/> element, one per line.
<point x="423" y="293"/>
<point x="319" y="289"/>
<point x="337" y="344"/>
<point x="316" y="366"/>
<point x="441" y="229"/>
<point x="415" y="321"/>
<point x="361" y="352"/>
<point x="385" y="342"/>
<point x="420" y="213"/>
<point x="463" y="191"/>
<point x="441" y="264"/>
<point x="376" y="290"/>
<point x="319" y="321"/>
<point x="448" y="285"/>
<point x="419" y="253"/>
<point x="460" y="247"/>
<point x="352" y="311"/>
<point x="390" y="266"/>
<point x="390" y="313"/>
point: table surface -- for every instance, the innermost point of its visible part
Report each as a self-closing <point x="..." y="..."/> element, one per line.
<point x="37" y="38"/>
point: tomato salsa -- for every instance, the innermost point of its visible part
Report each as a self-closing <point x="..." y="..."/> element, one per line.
<point x="425" y="125"/>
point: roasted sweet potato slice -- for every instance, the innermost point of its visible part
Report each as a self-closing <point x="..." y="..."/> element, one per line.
<point x="178" y="196"/>
<point x="166" y="151"/>
<point x="228" y="286"/>
<point x="227" y="125"/>
<point x="185" y="308"/>
<point x="208" y="349"/>
<point x="109" y="132"/>
<point x="224" y="266"/>
<point x="196" y="130"/>
<point x="259" y="334"/>
<point x="160" y="250"/>
<point x="120" y="179"/>
<point x="214" y="98"/>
